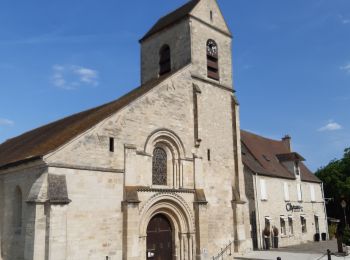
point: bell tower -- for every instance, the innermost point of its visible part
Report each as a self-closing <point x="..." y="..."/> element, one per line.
<point x="195" y="34"/>
<point x="196" y="40"/>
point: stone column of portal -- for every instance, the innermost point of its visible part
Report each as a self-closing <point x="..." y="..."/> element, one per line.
<point x="181" y="247"/>
<point x="185" y="246"/>
<point x="241" y="223"/>
<point x="189" y="246"/>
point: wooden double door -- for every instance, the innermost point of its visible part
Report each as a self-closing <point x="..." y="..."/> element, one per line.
<point x="159" y="239"/>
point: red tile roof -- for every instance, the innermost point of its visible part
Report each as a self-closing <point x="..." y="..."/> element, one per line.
<point x="259" y="154"/>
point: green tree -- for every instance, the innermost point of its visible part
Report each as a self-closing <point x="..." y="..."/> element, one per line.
<point x="336" y="180"/>
<point x="336" y="177"/>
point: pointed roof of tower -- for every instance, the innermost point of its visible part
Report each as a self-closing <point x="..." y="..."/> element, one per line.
<point x="171" y="18"/>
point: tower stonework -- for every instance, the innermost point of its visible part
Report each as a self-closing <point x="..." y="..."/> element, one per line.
<point x="187" y="39"/>
<point x="217" y="128"/>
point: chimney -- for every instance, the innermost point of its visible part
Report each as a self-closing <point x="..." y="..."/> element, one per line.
<point x="287" y="142"/>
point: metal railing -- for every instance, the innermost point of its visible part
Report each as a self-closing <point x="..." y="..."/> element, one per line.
<point x="227" y="251"/>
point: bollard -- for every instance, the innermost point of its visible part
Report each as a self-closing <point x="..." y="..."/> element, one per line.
<point x="329" y="254"/>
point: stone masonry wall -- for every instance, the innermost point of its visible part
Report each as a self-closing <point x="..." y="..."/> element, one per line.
<point x="200" y="35"/>
<point x="14" y="238"/>
<point x="178" y="39"/>
<point x="90" y="227"/>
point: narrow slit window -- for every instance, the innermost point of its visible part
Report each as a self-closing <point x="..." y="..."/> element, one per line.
<point x="209" y="154"/>
<point x="111" y="144"/>
<point x="211" y="16"/>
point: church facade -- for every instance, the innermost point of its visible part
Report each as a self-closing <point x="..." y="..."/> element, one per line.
<point x="156" y="174"/>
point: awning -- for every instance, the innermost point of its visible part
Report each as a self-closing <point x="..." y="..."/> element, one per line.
<point x="333" y="220"/>
<point x="316" y="215"/>
<point x="291" y="217"/>
<point x="283" y="217"/>
<point x="303" y="216"/>
<point x="268" y="218"/>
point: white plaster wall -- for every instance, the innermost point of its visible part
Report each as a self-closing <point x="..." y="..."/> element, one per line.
<point x="275" y="206"/>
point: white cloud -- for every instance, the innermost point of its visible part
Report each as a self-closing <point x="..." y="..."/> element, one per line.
<point x="72" y="76"/>
<point x="6" y="122"/>
<point x="346" y="67"/>
<point x="343" y="19"/>
<point x="331" y="126"/>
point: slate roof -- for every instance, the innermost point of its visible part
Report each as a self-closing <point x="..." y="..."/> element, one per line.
<point x="259" y="154"/>
<point x="45" y="139"/>
<point x="171" y="18"/>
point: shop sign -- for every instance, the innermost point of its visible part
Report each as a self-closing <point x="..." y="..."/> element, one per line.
<point x="294" y="208"/>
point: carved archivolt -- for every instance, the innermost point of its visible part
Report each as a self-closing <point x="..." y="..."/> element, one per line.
<point x="168" y="138"/>
<point x="171" y="205"/>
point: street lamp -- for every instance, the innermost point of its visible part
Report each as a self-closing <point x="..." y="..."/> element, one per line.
<point x="343" y="205"/>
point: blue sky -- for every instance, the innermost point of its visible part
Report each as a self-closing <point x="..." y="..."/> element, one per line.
<point x="291" y="64"/>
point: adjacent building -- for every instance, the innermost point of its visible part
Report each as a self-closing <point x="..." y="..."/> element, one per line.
<point x="283" y="193"/>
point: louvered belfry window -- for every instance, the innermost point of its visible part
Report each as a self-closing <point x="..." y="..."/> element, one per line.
<point x="164" y="60"/>
<point x="159" y="167"/>
<point x="212" y="60"/>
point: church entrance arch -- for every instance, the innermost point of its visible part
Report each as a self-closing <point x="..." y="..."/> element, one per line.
<point x="167" y="217"/>
<point x="159" y="238"/>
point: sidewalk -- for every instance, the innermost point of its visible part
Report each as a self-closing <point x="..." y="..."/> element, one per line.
<point x="309" y="251"/>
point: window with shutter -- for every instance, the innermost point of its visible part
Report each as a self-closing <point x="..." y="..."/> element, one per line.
<point x="312" y="193"/>
<point x="300" y="196"/>
<point x="263" y="190"/>
<point x="286" y="191"/>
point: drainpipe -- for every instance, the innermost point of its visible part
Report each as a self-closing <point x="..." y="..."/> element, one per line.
<point x="325" y="211"/>
<point x="257" y="215"/>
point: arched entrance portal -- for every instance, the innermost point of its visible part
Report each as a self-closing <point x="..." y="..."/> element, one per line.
<point x="159" y="238"/>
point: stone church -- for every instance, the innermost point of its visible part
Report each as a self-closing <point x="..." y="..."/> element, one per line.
<point x="156" y="174"/>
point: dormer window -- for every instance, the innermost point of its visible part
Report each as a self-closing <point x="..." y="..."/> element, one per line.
<point x="164" y="60"/>
<point x="212" y="60"/>
<point x="297" y="168"/>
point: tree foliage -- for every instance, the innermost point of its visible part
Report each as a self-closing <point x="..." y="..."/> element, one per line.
<point x="336" y="180"/>
<point x="336" y="177"/>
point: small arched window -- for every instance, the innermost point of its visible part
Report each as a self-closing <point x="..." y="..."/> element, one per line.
<point x="159" y="167"/>
<point x="17" y="208"/>
<point x="164" y="60"/>
<point x="212" y="60"/>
